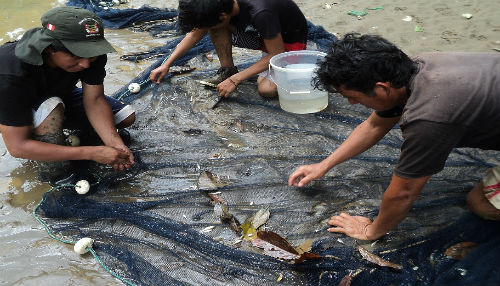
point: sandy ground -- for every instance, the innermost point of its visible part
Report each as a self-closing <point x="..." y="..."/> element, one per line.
<point x="432" y="26"/>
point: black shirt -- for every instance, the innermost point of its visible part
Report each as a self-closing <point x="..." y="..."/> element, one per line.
<point x="23" y="85"/>
<point x="270" y="17"/>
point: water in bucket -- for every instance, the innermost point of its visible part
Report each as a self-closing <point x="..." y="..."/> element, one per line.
<point x="292" y="72"/>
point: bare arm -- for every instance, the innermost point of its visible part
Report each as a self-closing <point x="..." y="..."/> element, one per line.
<point x="20" y="145"/>
<point x="396" y="203"/>
<point x="101" y="117"/>
<point x="189" y="41"/>
<point x="361" y="139"/>
<point x="274" y="46"/>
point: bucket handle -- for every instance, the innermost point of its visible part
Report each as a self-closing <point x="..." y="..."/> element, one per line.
<point x="290" y="92"/>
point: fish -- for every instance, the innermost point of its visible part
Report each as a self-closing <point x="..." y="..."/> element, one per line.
<point x="376" y="259"/>
<point x="175" y="70"/>
<point x="206" y="83"/>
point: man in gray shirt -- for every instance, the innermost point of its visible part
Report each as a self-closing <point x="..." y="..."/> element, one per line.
<point x="441" y="100"/>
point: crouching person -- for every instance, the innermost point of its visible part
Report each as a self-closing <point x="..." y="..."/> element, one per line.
<point x="38" y="77"/>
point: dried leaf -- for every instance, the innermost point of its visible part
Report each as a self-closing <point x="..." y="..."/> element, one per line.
<point x="459" y="250"/>
<point x="206" y="181"/>
<point x="276" y="247"/>
<point x="280" y="277"/>
<point x="307" y="256"/>
<point x="249" y="232"/>
<point x="376" y="259"/>
<point x="235" y="225"/>
<point x="346" y="281"/>
<point x="260" y="217"/>
<point x="306" y="246"/>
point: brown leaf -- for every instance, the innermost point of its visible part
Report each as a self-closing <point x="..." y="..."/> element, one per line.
<point x="275" y="246"/>
<point x="207" y="181"/>
<point x="459" y="250"/>
<point x="346" y="281"/>
<point x="307" y="256"/>
<point x="306" y="246"/>
<point x="376" y="259"/>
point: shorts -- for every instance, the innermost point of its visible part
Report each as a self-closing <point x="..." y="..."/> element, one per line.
<point x="491" y="186"/>
<point x="250" y="39"/>
<point x="74" y="112"/>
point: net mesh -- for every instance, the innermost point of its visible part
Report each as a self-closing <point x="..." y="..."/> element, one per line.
<point x="147" y="222"/>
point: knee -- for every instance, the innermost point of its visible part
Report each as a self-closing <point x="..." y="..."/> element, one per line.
<point x="267" y="89"/>
<point x="478" y="204"/>
<point x="128" y="121"/>
<point x="53" y="122"/>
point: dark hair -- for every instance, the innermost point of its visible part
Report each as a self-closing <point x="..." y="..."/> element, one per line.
<point x="357" y="62"/>
<point x="57" y="46"/>
<point x="202" y="13"/>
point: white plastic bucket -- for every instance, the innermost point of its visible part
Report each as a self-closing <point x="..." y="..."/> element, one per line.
<point x="292" y="72"/>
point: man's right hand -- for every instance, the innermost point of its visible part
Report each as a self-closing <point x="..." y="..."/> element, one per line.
<point x="305" y="174"/>
<point x="111" y="156"/>
<point x="158" y="73"/>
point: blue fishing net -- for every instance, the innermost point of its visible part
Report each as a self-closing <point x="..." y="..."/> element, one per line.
<point x="150" y="223"/>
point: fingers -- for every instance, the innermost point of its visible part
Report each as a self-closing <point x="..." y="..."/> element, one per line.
<point x="294" y="178"/>
<point x="336" y="229"/>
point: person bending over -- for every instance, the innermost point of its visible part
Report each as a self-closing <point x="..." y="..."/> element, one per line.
<point x="38" y="77"/>
<point x="442" y="100"/>
<point x="273" y="26"/>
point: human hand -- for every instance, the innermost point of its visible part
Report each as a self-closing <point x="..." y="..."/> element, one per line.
<point x="305" y="174"/>
<point x="353" y="226"/>
<point x="130" y="161"/>
<point x="118" y="158"/>
<point x="158" y="73"/>
<point x="226" y="87"/>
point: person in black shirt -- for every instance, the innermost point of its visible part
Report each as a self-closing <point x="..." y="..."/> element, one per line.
<point x="38" y="77"/>
<point x="273" y="26"/>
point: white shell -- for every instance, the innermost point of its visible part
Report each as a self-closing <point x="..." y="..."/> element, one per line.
<point x="82" y="187"/>
<point x="116" y="2"/>
<point x="467" y="15"/>
<point x="407" y="19"/>
<point x="134" y="87"/>
<point x="103" y="3"/>
<point x="106" y="8"/>
<point x="327" y="6"/>
<point x="82" y="245"/>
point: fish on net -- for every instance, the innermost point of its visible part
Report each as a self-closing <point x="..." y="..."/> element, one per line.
<point x="155" y="225"/>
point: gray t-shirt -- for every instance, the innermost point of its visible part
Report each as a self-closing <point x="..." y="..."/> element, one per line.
<point x="454" y="102"/>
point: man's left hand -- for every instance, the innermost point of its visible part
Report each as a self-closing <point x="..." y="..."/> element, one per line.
<point x="353" y="226"/>
<point x="226" y="87"/>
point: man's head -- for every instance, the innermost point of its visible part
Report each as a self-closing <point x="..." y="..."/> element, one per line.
<point x="359" y="62"/>
<point x="80" y="31"/>
<point x="202" y="13"/>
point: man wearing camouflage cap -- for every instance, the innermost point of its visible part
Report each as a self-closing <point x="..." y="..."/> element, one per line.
<point x="39" y="97"/>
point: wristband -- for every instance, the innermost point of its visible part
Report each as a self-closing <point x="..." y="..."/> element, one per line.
<point x="235" y="85"/>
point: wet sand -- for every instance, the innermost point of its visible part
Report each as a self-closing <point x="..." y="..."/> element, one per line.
<point x="28" y="256"/>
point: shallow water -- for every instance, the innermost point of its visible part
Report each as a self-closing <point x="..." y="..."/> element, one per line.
<point x="28" y="256"/>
